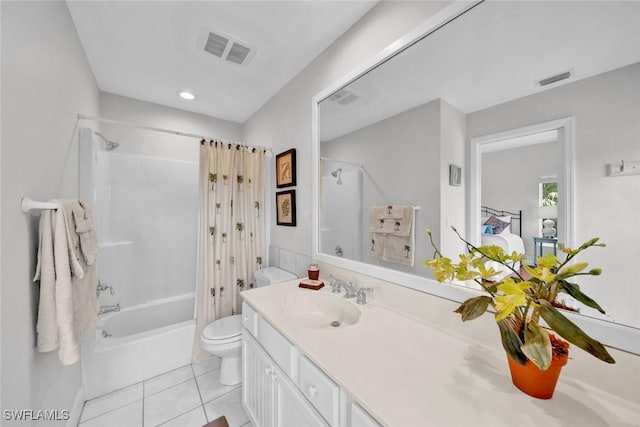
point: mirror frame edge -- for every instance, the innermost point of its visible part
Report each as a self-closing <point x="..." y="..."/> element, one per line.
<point x="622" y="337"/>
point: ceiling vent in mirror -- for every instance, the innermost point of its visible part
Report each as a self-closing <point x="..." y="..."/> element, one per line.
<point x="228" y="49"/>
<point x="554" y="79"/>
<point x="343" y="97"/>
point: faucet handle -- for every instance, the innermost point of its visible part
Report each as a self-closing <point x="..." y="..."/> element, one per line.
<point x="335" y="284"/>
<point x="362" y="295"/>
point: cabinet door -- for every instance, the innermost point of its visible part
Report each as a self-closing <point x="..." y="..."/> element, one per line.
<point x="291" y="409"/>
<point x="258" y="375"/>
<point x="359" y="418"/>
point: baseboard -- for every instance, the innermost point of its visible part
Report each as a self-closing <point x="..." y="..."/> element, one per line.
<point x="76" y="409"/>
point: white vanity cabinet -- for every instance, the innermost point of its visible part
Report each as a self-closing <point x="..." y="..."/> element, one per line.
<point x="268" y="395"/>
<point x="283" y="388"/>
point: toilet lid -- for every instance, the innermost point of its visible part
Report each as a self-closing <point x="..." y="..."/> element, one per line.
<point x="226" y="327"/>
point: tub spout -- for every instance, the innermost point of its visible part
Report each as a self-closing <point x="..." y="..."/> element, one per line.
<point x="109" y="308"/>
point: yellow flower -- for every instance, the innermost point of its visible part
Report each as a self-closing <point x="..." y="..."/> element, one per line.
<point x="513" y="295"/>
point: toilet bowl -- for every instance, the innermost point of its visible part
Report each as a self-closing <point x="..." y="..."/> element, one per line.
<point x="223" y="338"/>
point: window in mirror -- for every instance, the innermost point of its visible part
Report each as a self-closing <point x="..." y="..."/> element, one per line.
<point x="548" y="207"/>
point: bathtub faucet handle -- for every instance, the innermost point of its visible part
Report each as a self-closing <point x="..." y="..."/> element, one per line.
<point x="103" y="286"/>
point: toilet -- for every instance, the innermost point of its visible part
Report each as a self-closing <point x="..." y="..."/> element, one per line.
<point x="223" y="337"/>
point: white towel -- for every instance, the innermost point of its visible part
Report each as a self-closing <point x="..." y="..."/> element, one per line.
<point x="68" y="305"/>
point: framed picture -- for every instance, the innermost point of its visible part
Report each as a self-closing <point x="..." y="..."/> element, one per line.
<point x="286" y="168"/>
<point x="455" y="175"/>
<point x="286" y="208"/>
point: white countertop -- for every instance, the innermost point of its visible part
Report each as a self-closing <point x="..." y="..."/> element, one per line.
<point x="406" y="373"/>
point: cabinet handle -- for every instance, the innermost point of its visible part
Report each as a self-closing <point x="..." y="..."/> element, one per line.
<point x="312" y="391"/>
<point x="246" y="318"/>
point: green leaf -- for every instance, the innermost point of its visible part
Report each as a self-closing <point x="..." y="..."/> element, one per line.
<point x="574" y="290"/>
<point x="473" y="308"/>
<point x="572" y="333"/>
<point x="511" y="342"/>
<point x="537" y="346"/>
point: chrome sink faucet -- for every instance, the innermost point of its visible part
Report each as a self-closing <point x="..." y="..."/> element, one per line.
<point x="337" y="285"/>
<point x="349" y="289"/>
<point x="362" y="295"/>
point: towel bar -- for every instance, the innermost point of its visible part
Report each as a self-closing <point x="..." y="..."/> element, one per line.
<point x="28" y="205"/>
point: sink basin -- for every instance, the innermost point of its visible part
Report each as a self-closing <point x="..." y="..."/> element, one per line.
<point x="319" y="310"/>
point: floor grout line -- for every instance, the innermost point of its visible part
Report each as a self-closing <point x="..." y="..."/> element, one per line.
<point x="171" y="386"/>
<point x="186" y="412"/>
<point x="111" y="410"/>
<point x="206" y="417"/>
<point x="224" y="394"/>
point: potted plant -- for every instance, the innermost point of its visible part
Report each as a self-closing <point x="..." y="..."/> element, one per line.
<point x="519" y="301"/>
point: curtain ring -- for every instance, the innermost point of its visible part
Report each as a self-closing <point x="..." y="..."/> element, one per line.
<point x="202" y="141"/>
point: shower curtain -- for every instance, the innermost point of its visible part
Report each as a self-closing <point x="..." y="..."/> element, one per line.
<point x="231" y="241"/>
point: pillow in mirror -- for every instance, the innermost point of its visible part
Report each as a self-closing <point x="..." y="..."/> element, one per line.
<point x="487" y="229"/>
<point x="498" y="226"/>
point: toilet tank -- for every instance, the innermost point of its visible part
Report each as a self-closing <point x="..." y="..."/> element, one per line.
<point x="271" y="275"/>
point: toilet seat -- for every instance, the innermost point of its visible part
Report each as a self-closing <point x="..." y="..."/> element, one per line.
<point x="223" y="331"/>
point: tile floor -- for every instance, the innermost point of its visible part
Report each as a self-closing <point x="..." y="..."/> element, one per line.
<point x="189" y="396"/>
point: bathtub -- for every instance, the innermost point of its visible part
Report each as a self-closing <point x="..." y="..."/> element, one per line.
<point x="138" y="343"/>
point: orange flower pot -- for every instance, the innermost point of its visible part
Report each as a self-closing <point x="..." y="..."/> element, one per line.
<point x="534" y="382"/>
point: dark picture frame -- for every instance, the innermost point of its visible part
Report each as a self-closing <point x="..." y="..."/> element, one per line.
<point x="286" y="208"/>
<point x="455" y="175"/>
<point x="286" y="168"/>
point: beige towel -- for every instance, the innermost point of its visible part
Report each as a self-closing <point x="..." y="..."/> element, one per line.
<point x="377" y="244"/>
<point x="376" y="225"/>
<point x="68" y="305"/>
<point x="84" y="228"/>
<point x="398" y="219"/>
<point x="392" y="234"/>
<point x="399" y="250"/>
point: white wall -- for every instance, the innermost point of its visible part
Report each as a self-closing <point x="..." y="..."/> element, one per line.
<point x="402" y="155"/>
<point x="145" y="142"/>
<point x="452" y="198"/>
<point x="46" y="81"/>
<point x="605" y="108"/>
<point x="285" y="121"/>
<point x="510" y="180"/>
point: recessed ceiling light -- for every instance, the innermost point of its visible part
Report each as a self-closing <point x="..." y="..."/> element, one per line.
<point x="187" y="95"/>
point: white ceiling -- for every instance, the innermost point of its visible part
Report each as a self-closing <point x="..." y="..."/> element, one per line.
<point x="151" y="50"/>
<point x="492" y="55"/>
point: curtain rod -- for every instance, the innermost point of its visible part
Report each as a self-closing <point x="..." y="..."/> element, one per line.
<point x="155" y="129"/>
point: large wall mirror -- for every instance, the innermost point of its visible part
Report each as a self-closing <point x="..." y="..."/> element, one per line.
<point x="520" y="107"/>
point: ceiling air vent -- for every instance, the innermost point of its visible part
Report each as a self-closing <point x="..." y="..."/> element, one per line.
<point x="554" y="79"/>
<point x="228" y="49"/>
<point x="343" y="97"/>
<point x="216" y="44"/>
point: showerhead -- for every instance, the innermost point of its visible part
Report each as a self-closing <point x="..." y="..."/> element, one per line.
<point x="107" y="145"/>
<point x="337" y="174"/>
